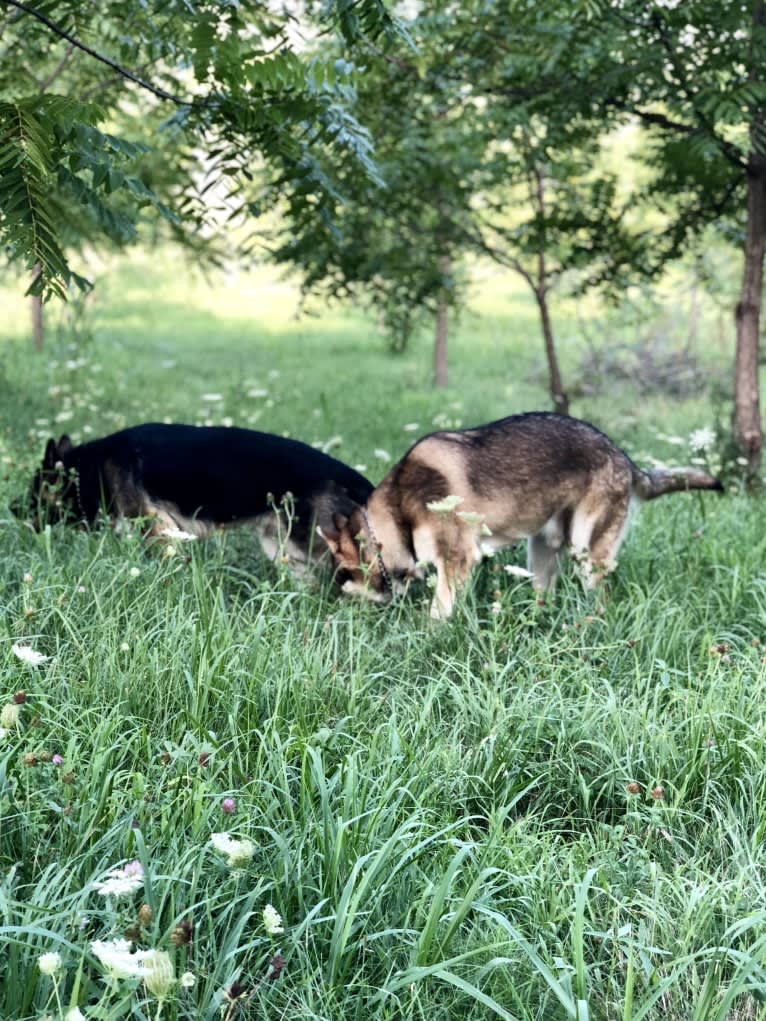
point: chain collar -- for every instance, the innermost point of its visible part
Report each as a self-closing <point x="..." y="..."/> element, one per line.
<point x="382" y="567"/>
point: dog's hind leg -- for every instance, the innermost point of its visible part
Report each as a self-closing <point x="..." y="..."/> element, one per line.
<point x="606" y="539"/>
<point x="543" y="551"/>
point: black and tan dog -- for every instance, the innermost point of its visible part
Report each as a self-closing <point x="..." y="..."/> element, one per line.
<point x="554" y="480"/>
<point x="198" y="479"/>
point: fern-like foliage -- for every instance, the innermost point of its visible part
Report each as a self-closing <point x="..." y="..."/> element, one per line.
<point x="59" y="175"/>
<point x="27" y="214"/>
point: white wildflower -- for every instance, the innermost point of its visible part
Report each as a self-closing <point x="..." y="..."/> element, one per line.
<point x="28" y="655"/>
<point x="411" y="427"/>
<point x="257" y="392"/>
<point x="156" y="969"/>
<point x="50" y="964"/>
<point x="187" y="980"/>
<point x="497" y="608"/>
<point x="122" y="882"/>
<point x="3" y="733"/>
<point x="360" y="467"/>
<point x="703" y="439"/>
<point x="471" y="517"/>
<point x="212" y="398"/>
<point x="178" y="533"/>
<point x="134" y="572"/>
<point x="238" y="852"/>
<point x="74" y="1014"/>
<point x="272" y="920"/>
<point x="27" y="579"/>
<point x="449" y="503"/>
<point x="517" y="572"/>
<point x="382" y="455"/>
<point x="116" y="958"/>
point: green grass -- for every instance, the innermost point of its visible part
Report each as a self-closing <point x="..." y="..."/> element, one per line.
<point x="441" y="814"/>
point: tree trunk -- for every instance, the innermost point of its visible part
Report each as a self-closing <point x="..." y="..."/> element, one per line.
<point x="37" y="313"/>
<point x="558" y="394"/>
<point x="442" y="326"/>
<point x="747" y="413"/>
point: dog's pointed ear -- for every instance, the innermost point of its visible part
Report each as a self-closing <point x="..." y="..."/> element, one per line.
<point x="339" y="522"/>
<point x="51" y="454"/>
<point x="65" y="445"/>
<point x="331" y="537"/>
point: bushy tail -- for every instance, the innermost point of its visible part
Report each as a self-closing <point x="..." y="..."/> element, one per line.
<point x="649" y="485"/>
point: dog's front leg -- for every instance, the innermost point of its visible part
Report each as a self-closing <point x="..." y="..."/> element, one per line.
<point x="443" y="601"/>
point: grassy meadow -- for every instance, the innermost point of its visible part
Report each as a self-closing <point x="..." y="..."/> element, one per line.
<point x="528" y="812"/>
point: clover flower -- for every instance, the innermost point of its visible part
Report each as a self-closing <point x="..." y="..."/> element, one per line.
<point x="122" y="882"/>
<point x="229" y="806"/>
<point x="238" y="852"/>
<point x="187" y="980"/>
<point x="28" y="655"/>
<point x="272" y="920"/>
<point x="50" y="964"/>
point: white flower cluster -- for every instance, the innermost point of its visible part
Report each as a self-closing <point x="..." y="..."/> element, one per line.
<point x="702" y="440"/>
<point x="122" y="882"/>
<point x="153" y="967"/>
<point x="445" y="506"/>
<point x="28" y="655"/>
<point x="238" y="852"/>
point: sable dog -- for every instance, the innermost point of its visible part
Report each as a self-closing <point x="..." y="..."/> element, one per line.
<point x="198" y="479"/>
<point x="554" y="480"/>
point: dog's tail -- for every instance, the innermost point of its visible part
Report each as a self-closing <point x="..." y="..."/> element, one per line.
<point x="648" y="485"/>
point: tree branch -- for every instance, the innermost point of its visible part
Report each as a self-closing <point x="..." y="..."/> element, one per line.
<point x="124" y="72"/>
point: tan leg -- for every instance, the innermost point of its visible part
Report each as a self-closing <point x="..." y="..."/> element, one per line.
<point x="453" y="551"/>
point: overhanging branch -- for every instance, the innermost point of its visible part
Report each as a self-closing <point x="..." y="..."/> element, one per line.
<point x="122" y="71"/>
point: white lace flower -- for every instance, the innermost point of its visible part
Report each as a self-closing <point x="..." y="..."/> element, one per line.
<point x="702" y="439"/>
<point x="471" y="517"/>
<point x="272" y="920"/>
<point x="517" y="572"/>
<point x="116" y="958"/>
<point x="50" y="964"/>
<point x="238" y="852"/>
<point x="28" y="655"/>
<point x="187" y="980"/>
<point x="449" y="503"/>
<point x="178" y="533"/>
<point x="122" y="882"/>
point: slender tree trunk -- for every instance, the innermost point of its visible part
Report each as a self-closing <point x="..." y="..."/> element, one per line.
<point x="442" y="328"/>
<point x="37" y="313"/>
<point x="747" y="413"/>
<point x="559" y="395"/>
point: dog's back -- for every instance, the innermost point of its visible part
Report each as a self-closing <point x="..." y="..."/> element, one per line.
<point x="555" y="480"/>
<point x="197" y="478"/>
